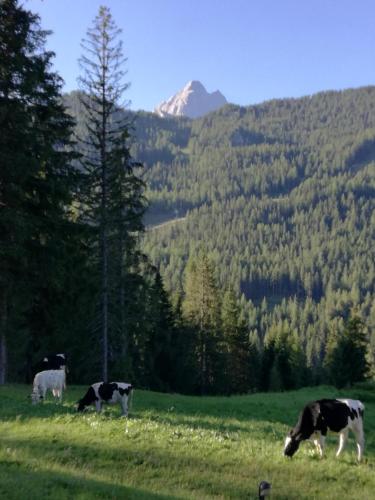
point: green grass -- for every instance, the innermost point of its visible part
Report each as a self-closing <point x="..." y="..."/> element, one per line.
<point x="174" y="447"/>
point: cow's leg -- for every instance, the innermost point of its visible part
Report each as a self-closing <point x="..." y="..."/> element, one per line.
<point x="343" y="436"/>
<point x="316" y="438"/>
<point x="321" y="443"/>
<point x="360" y="446"/>
<point x="124" y="406"/>
<point x="57" y="393"/>
<point x="360" y="439"/>
<point x="98" y="406"/>
<point x="316" y="442"/>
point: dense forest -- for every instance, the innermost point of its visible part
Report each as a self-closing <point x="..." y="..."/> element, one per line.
<point x="281" y="197"/>
<point x="252" y="267"/>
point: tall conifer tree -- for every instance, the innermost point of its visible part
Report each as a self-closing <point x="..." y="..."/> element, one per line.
<point x="236" y="345"/>
<point x="346" y="359"/>
<point x="113" y="201"/>
<point x="36" y="179"/>
<point x="202" y="310"/>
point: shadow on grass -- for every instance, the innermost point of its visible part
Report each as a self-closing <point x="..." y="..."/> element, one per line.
<point x="16" y="403"/>
<point x="16" y="482"/>
<point x="204" y="476"/>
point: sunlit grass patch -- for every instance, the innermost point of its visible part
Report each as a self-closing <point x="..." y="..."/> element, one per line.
<point x="173" y="446"/>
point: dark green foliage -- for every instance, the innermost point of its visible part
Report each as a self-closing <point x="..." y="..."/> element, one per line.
<point x="159" y="332"/>
<point x="238" y="354"/>
<point x="347" y="357"/>
<point x="267" y="364"/>
<point x="201" y="308"/>
<point x="283" y="364"/>
<point x="185" y="371"/>
<point x="37" y="184"/>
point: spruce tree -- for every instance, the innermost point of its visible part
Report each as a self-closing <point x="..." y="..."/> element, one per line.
<point x="113" y="202"/>
<point x="235" y="345"/>
<point x="202" y="310"/>
<point x="267" y="362"/>
<point x="159" y="326"/>
<point x="36" y="181"/>
<point x="346" y="359"/>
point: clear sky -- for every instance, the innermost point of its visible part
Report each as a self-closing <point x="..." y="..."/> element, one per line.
<point x="250" y="50"/>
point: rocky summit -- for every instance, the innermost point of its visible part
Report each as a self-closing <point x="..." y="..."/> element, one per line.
<point x="192" y="101"/>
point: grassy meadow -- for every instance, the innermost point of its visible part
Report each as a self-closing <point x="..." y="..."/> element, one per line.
<point x="174" y="447"/>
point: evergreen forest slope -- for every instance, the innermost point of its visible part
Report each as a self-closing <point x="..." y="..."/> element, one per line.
<point x="281" y="197"/>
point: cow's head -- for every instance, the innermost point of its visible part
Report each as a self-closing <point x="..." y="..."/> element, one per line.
<point x="292" y="443"/>
<point x="88" y="399"/>
<point x="36" y="397"/>
<point x="81" y="405"/>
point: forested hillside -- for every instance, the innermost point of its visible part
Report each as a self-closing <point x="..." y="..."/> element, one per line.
<point x="281" y="197"/>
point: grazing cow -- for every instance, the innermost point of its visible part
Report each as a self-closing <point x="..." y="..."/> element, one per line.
<point x="53" y="380"/>
<point x="55" y="362"/>
<point x="317" y="417"/>
<point x="107" y="392"/>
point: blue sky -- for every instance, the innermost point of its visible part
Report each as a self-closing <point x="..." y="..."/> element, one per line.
<point x="251" y="50"/>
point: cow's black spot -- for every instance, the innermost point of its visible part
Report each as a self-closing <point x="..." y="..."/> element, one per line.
<point x="125" y="391"/>
<point x="335" y="413"/>
<point x="54" y="362"/>
<point x="106" y="390"/>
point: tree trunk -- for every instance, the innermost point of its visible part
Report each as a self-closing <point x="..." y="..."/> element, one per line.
<point x="104" y="306"/>
<point x="123" y="335"/>
<point x="104" y="262"/>
<point x="3" y="349"/>
<point x="104" y="215"/>
<point x="104" y="256"/>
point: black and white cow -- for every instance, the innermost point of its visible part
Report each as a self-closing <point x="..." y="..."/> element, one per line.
<point x="54" y="362"/>
<point x="317" y="417"/>
<point x="107" y="392"/>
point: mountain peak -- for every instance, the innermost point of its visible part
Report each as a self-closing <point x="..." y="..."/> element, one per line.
<point x="195" y="85"/>
<point x="192" y="101"/>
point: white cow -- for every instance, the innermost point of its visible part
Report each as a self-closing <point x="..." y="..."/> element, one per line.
<point x="53" y="380"/>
